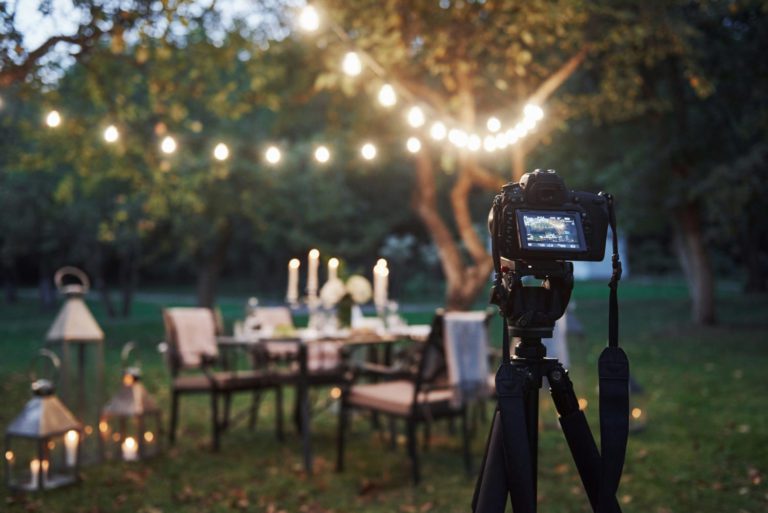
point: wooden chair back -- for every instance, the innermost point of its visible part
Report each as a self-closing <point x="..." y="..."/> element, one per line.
<point x="191" y="337"/>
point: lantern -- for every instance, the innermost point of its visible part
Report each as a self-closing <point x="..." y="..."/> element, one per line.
<point x="130" y="422"/>
<point x="75" y="326"/>
<point x="42" y="444"/>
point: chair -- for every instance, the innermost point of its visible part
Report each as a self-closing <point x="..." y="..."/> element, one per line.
<point x="192" y="346"/>
<point x="434" y="386"/>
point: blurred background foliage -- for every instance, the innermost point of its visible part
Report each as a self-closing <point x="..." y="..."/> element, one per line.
<point x="668" y="111"/>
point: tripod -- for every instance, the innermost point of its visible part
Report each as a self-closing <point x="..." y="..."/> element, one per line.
<point x="510" y="462"/>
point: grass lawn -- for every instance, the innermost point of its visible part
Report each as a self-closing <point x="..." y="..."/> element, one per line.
<point x="705" y="448"/>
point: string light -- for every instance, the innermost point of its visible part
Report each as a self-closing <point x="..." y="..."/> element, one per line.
<point x="458" y="137"/>
<point x="438" y="131"/>
<point x="416" y="117"/>
<point x="474" y="142"/>
<point x="111" y="134"/>
<point x="368" y="151"/>
<point x="221" y="152"/>
<point x="533" y="111"/>
<point x="493" y="124"/>
<point x="489" y="143"/>
<point x="168" y="145"/>
<point x="413" y="144"/>
<point x="351" y="65"/>
<point x="387" y="96"/>
<point x="53" y="119"/>
<point x="273" y="155"/>
<point x="309" y="19"/>
<point x="322" y="154"/>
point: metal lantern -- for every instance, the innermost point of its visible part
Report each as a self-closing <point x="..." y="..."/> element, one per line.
<point x="75" y="326"/>
<point x="42" y="444"/>
<point x="130" y="423"/>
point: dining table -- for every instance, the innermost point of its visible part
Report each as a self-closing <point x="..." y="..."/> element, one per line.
<point x="295" y="345"/>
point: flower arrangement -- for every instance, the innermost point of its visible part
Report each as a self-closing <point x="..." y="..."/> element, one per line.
<point x="336" y="293"/>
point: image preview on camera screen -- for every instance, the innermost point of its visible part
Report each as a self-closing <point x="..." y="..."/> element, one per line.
<point x="550" y="231"/>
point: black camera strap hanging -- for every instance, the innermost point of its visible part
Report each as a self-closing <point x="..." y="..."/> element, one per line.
<point x="613" y="368"/>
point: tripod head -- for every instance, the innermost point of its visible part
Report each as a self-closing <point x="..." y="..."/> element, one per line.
<point x="531" y="311"/>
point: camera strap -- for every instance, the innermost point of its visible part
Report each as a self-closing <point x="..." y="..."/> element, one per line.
<point x="613" y="369"/>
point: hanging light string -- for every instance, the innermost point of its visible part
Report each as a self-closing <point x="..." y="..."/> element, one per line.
<point x="440" y="126"/>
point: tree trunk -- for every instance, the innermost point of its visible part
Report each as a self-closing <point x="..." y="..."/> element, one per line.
<point x="95" y="268"/>
<point x="209" y="270"/>
<point x="129" y="277"/>
<point x="11" y="283"/>
<point x="45" y="286"/>
<point x="695" y="261"/>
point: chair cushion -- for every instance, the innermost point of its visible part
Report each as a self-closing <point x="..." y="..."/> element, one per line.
<point x="227" y="381"/>
<point x="396" y="397"/>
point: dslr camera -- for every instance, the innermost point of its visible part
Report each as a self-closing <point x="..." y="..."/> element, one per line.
<point x="539" y="219"/>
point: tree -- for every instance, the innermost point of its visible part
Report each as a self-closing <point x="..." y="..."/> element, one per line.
<point x="463" y="61"/>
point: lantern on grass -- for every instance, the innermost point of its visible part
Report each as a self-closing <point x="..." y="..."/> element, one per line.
<point x="76" y="328"/>
<point x="42" y="444"/>
<point x="130" y="423"/>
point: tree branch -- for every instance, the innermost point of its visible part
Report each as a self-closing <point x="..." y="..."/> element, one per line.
<point x="555" y="80"/>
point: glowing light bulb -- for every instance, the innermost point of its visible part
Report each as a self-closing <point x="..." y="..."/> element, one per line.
<point x="493" y="124"/>
<point x="387" y="96"/>
<point x="273" y="155"/>
<point x="438" y="131"/>
<point x="416" y="117"/>
<point x="501" y="140"/>
<point x="458" y="137"/>
<point x="368" y="151"/>
<point x="309" y="19"/>
<point x="53" y="119"/>
<point x="489" y="143"/>
<point x="512" y="136"/>
<point x="474" y="142"/>
<point x="528" y="123"/>
<point x="637" y="413"/>
<point x="168" y="145"/>
<point x="111" y="134"/>
<point x="322" y="154"/>
<point x="221" y="152"/>
<point x="352" y="65"/>
<point x="533" y="112"/>
<point x="413" y="144"/>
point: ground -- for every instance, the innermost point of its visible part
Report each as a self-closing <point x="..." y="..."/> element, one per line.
<point x="705" y="447"/>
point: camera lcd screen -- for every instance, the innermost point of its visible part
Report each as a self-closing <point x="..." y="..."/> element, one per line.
<point x="550" y="231"/>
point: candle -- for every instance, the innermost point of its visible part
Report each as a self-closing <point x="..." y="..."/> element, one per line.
<point x="70" y="445"/>
<point x="314" y="262"/>
<point x="293" y="281"/>
<point x="333" y="269"/>
<point x="34" y="470"/>
<point x="380" y="285"/>
<point x="44" y="465"/>
<point x="130" y="449"/>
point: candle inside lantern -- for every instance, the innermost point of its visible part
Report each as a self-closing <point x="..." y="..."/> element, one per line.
<point x="71" y="440"/>
<point x="130" y="449"/>
<point x="292" y="296"/>
<point x="34" y="471"/>
<point x="314" y="263"/>
<point x="44" y="465"/>
<point x="333" y="269"/>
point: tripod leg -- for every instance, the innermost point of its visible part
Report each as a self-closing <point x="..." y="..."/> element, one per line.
<point x="579" y="436"/>
<point x="491" y="487"/>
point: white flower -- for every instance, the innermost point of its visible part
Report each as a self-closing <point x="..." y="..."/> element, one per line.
<point x="332" y="292"/>
<point x="359" y="288"/>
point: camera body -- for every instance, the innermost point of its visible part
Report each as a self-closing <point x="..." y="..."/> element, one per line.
<point x="539" y="219"/>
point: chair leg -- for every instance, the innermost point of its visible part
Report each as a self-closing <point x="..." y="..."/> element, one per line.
<point x="279" y="413"/>
<point x="392" y="433"/>
<point x="174" y="416"/>
<point x="254" y="413"/>
<point x="215" y="420"/>
<point x="412" y="451"/>
<point x="341" y="436"/>
<point x="465" y="441"/>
